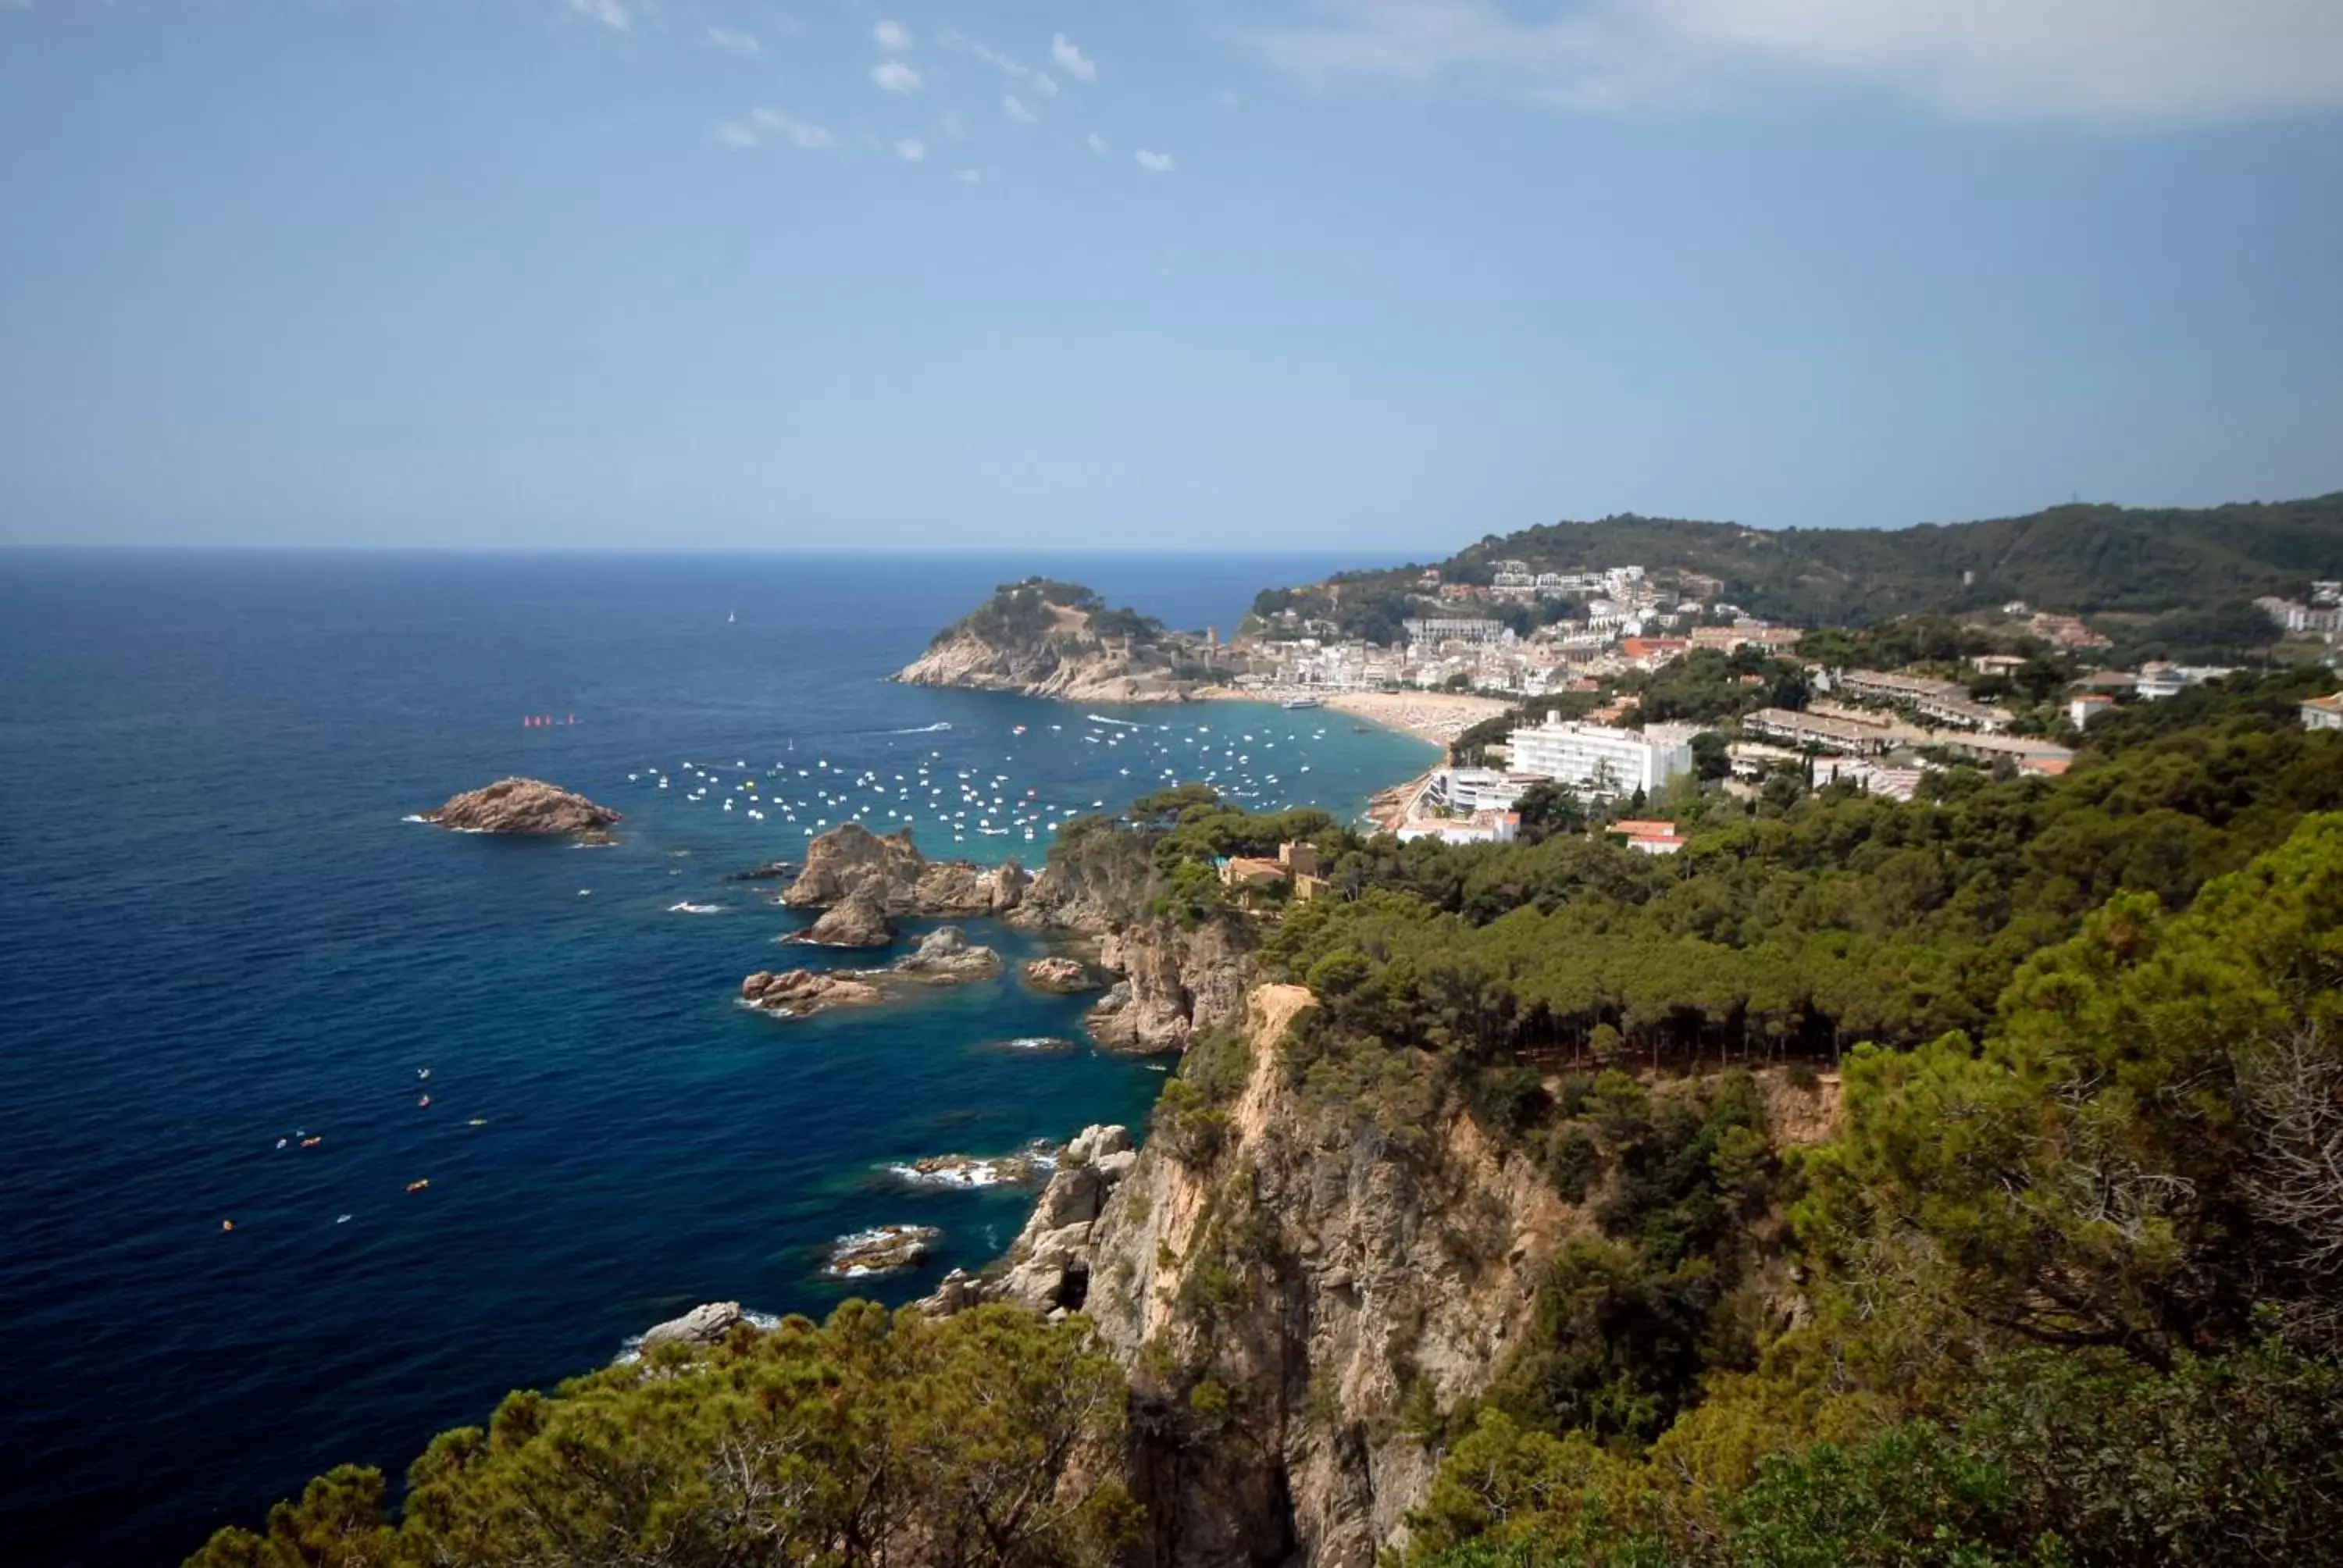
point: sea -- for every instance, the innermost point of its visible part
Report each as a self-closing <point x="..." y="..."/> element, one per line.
<point x="233" y="966"/>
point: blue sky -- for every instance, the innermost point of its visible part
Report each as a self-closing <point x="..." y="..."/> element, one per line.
<point x="1290" y="274"/>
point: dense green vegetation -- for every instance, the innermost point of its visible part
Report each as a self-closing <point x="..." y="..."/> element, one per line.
<point x="2075" y="558"/>
<point x="986" y="1439"/>
<point x="1959" y="1182"/>
<point x="2074" y="1295"/>
<point x="1024" y="613"/>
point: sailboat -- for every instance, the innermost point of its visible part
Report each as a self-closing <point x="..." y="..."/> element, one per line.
<point x="731" y="617"/>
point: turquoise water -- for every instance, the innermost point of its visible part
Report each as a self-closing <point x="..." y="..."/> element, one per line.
<point x="217" y="931"/>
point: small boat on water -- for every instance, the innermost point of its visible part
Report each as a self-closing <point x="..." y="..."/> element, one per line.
<point x="1300" y="702"/>
<point x="418" y="1186"/>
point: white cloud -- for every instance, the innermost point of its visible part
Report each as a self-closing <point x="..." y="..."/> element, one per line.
<point x="733" y="42"/>
<point x="970" y="178"/>
<point x="1045" y="83"/>
<point x="1014" y="108"/>
<point x="1155" y="163"/>
<point x="910" y="149"/>
<point x="735" y="135"/>
<point x="895" y="76"/>
<point x="892" y="35"/>
<point x="1098" y="143"/>
<point x="610" y="13"/>
<point x="2107" y="61"/>
<point x="1070" y="60"/>
<point x="797" y="133"/>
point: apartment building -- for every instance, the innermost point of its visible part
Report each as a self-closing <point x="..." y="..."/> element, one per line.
<point x="1594" y="759"/>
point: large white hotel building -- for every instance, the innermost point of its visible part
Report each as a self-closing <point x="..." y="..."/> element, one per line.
<point x="1594" y="760"/>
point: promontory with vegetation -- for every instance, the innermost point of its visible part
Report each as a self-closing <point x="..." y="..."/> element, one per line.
<point x="1042" y="637"/>
<point x="1854" y="1143"/>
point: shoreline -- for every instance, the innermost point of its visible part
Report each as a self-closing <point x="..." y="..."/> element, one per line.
<point x="1437" y="717"/>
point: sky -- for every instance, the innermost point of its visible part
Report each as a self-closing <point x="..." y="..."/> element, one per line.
<point x="1220" y="275"/>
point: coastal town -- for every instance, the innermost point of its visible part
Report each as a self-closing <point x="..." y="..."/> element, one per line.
<point x="1562" y="664"/>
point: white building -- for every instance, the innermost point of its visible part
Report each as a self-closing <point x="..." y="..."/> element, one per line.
<point x="1480" y="828"/>
<point x="2323" y="712"/>
<point x="1456" y="628"/>
<point x="1594" y="759"/>
<point x="1467" y="791"/>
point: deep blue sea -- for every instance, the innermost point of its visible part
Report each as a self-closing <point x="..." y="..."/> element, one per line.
<point x="217" y="931"/>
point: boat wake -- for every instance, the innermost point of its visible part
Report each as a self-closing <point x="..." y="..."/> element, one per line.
<point x="1117" y="723"/>
<point x="688" y="907"/>
<point x="936" y="727"/>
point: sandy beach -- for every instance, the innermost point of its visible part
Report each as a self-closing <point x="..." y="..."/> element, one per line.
<point x="1439" y="717"/>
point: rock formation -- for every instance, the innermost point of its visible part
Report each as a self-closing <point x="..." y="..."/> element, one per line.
<point x="971" y="1171"/>
<point x="801" y="994"/>
<point x="1064" y="976"/>
<point x="1060" y="640"/>
<point x="1049" y="1265"/>
<point x="770" y="871"/>
<point x="906" y="884"/>
<point x="945" y="957"/>
<point x="524" y="805"/>
<point x="856" y="921"/>
<point x="882" y="1249"/>
<point x="703" y="1325"/>
<point x="1172" y="983"/>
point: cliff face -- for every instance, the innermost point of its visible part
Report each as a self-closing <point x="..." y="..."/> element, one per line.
<point x="1057" y="640"/>
<point x="1281" y="1283"/>
<point x="1169" y="982"/>
<point x="1172" y="983"/>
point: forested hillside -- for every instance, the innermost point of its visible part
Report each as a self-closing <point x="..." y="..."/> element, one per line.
<point x="2077" y="559"/>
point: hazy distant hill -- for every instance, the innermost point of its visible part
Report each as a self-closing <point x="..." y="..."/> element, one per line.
<point x="2077" y="558"/>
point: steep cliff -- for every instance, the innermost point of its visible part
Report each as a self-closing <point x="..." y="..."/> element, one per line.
<point x="1170" y="978"/>
<point x="1053" y="639"/>
<point x="1286" y="1285"/>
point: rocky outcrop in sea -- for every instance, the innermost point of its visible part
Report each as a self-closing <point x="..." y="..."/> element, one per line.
<point x="1064" y="976"/>
<point x="900" y="883"/>
<point x="802" y="993"/>
<point x="703" y="1325"/>
<point x="857" y="920"/>
<point x="881" y="1250"/>
<point x="946" y="957"/>
<point x="524" y="805"/>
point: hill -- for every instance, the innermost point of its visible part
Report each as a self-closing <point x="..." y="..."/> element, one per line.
<point x="1043" y="637"/>
<point x="2080" y="560"/>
